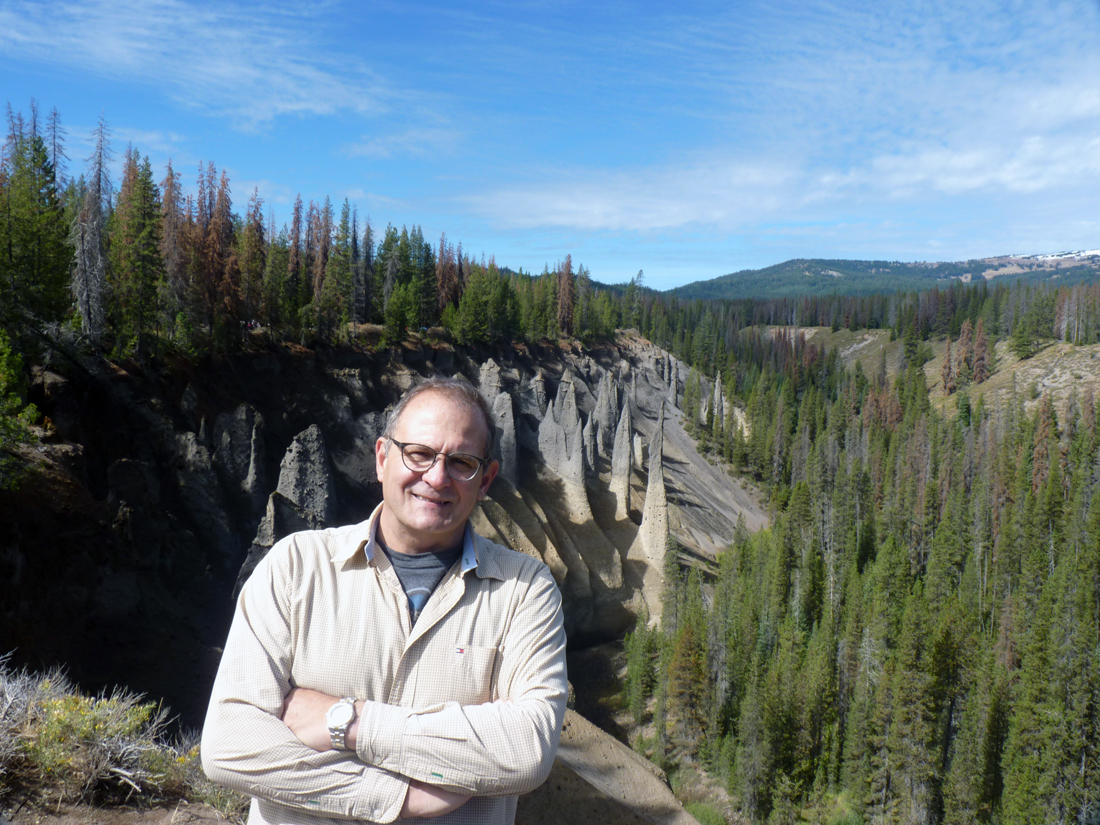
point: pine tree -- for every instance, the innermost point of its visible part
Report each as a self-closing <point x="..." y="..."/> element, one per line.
<point x="217" y="281"/>
<point x="1023" y="334"/>
<point x="273" y="310"/>
<point x="474" y="315"/>
<point x="174" y="249"/>
<point x="55" y="140"/>
<point x="295" y="263"/>
<point x="1044" y="444"/>
<point x="973" y="784"/>
<point x="424" y="275"/>
<point x="964" y="358"/>
<point x="566" y="296"/>
<point x="138" y="267"/>
<point x="687" y="671"/>
<point x="362" y="271"/>
<point x="34" y="253"/>
<point x="641" y="648"/>
<point x="446" y="276"/>
<point x="88" y="237"/>
<point x="253" y="259"/>
<point x="320" y="243"/>
<point x="1032" y="744"/>
<point x="947" y="370"/>
<point x="754" y="772"/>
<point x="912" y="741"/>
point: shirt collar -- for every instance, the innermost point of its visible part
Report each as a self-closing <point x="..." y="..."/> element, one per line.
<point x="370" y="545"/>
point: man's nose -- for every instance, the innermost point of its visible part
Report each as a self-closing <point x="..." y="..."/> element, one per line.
<point x="437" y="475"/>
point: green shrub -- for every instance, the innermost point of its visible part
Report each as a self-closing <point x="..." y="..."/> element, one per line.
<point x="58" y="745"/>
<point x="15" y="417"/>
<point x="69" y="728"/>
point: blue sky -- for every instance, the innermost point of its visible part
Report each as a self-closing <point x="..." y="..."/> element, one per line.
<point x="687" y="143"/>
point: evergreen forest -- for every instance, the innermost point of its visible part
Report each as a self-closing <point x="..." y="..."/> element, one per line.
<point x="916" y="635"/>
<point x="915" y="639"/>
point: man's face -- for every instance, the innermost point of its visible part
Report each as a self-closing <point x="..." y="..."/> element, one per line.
<point x="428" y="511"/>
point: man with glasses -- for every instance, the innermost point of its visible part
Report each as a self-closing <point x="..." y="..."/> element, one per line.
<point x="402" y="667"/>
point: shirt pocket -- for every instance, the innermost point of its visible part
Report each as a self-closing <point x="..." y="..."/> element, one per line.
<point x="463" y="674"/>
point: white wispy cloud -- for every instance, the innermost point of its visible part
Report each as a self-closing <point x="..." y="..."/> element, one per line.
<point x="642" y="200"/>
<point x="147" y="141"/>
<point x="730" y="194"/>
<point x="270" y="192"/>
<point x="410" y="142"/>
<point x="229" y="59"/>
<point x="837" y="107"/>
<point x="375" y="200"/>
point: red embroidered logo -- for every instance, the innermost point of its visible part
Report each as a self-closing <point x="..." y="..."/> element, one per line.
<point x="460" y="650"/>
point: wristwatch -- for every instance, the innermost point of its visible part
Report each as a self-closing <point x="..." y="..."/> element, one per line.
<point x="339" y="718"/>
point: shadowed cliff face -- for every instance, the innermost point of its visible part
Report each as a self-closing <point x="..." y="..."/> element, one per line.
<point x="155" y="493"/>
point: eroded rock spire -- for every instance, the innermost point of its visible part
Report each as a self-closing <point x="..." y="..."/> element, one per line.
<point x="620" y="465"/>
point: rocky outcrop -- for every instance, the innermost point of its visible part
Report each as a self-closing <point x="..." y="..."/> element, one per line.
<point x="556" y="433"/>
<point x="239" y="457"/>
<point x="654" y="529"/>
<point x="598" y="779"/>
<point x="620" y="465"/>
<point x="305" y="475"/>
<point x="505" y="448"/>
<point x="281" y="518"/>
<point x="589" y="437"/>
<point x="719" y="401"/>
<point x="304" y="500"/>
<point x="606" y="412"/>
<point x="202" y="496"/>
<point x="534" y="399"/>
<point x="489" y="379"/>
<point x="575" y="468"/>
<point x="567" y="413"/>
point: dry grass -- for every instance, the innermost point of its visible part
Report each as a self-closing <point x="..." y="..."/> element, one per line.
<point x="60" y="746"/>
<point x="1057" y="369"/>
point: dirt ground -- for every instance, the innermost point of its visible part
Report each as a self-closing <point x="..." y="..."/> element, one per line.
<point x="182" y="813"/>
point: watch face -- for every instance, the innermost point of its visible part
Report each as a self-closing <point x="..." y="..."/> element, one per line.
<point x="340" y="714"/>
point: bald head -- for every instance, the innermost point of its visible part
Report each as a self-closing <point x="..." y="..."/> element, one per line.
<point x="458" y="390"/>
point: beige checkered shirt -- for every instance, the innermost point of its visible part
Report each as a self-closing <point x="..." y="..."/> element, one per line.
<point x="470" y="699"/>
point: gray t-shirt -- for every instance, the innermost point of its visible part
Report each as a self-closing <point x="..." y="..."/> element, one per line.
<point x="420" y="573"/>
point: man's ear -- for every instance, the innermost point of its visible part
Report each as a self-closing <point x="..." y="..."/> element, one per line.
<point x="380" y="456"/>
<point x="487" y="479"/>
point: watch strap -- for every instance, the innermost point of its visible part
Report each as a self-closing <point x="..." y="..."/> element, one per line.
<point x="338" y="733"/>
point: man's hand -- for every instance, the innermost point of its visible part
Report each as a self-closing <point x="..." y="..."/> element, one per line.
<point x="304" y="713"/>
<point x="428" y="801"/>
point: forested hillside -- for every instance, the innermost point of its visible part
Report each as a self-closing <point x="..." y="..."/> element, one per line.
<point x="824" y="277"/>
<point x="916" y="637"/>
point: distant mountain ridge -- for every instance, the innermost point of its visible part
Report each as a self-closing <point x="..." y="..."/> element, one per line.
<point x="817" y="276"/>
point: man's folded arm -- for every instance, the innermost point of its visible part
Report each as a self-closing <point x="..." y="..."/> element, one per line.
<point x="500" y="748"/>
<point x="247" y="747"/>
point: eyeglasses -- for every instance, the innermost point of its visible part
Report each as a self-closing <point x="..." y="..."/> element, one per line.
<point x="420" y="459"/>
